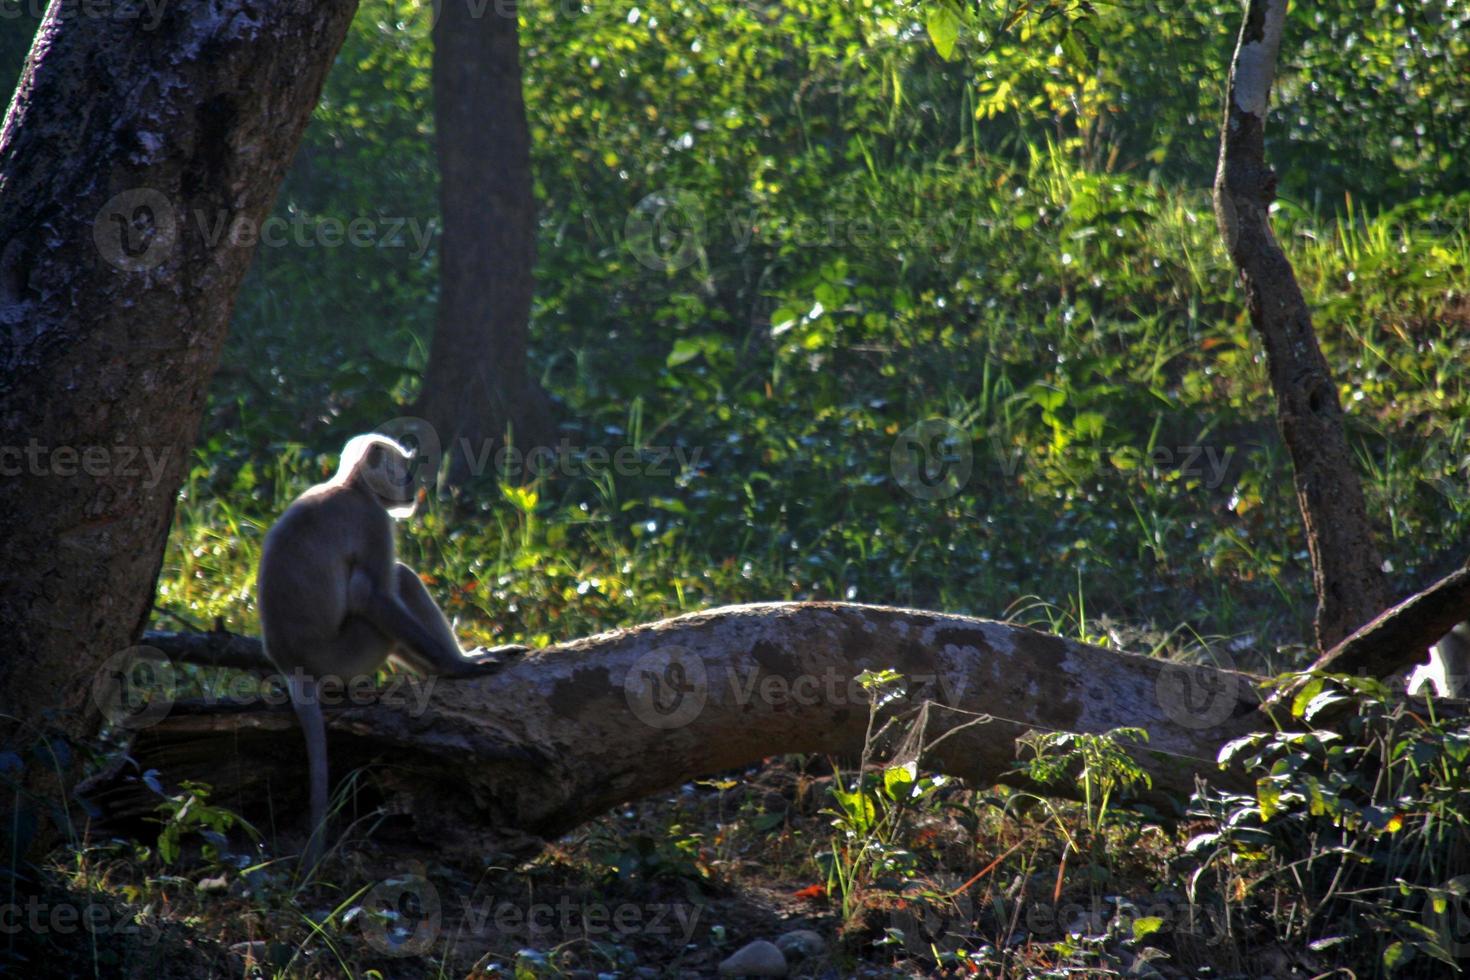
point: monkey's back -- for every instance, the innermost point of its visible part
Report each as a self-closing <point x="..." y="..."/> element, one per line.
<point x="305" y="565"/>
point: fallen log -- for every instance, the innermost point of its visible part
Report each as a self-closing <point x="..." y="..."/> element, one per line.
<point x="562" y="735"/>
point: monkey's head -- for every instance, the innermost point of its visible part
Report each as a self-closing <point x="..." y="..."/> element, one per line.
<point x="382" y="467"/>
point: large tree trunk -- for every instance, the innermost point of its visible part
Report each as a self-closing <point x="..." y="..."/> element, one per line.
<point x="1346" y="569"/>
<point x="132" y="150"/>
<point x="563" y="735"/>
<point x="477" y="384"/>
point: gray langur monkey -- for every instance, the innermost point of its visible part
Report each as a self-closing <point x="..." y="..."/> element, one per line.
<point x="335" y="601"/>
<point x="1448" y="670"/>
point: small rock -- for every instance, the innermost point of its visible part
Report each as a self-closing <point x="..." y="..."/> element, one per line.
<point x="801" y="944"/>
<point x="758" y="959"/>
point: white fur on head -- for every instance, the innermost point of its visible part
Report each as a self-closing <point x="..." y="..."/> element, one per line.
<point x="388" y="481"/>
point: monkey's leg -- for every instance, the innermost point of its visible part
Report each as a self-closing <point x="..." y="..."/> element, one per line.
<point x="411" y="590"/>
<point x="384" y="608"/>
<point x="417" y="600"/>
<point x="405" y="612"/>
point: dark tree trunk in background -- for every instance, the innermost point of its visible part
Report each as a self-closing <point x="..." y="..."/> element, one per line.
<point x="132" y="146"/>
<point x="477" y="384"/>
<point x="1347" y="572"/>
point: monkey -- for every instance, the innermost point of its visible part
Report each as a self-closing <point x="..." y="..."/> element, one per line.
<point x="335" y="602"/>
<point x="1448" y="670"/>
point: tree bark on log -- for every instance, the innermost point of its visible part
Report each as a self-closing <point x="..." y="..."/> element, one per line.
<point x="1347" y="572"/>
<point x="138" y="158"/>
<point x="562" y="735"/>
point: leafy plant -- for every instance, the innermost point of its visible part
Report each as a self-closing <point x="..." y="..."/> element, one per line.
<point x="189" y="813"/>
<point x="1100" y="762"/>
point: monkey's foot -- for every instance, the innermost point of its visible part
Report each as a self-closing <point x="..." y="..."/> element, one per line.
<point x="505" y="649"/>
<point x="487" y="660"/>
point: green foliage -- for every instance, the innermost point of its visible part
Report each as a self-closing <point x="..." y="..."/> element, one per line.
<point x="869" y="815"/>
<point x="189" y="813"/>
<point x="1100" y="763"/>
<point x="1357" y="827"/>
<point x="859" y="234"/>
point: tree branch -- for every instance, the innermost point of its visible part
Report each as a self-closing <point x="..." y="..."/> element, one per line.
<point x="1403" y="634"/>
<point x="213" y="649"/>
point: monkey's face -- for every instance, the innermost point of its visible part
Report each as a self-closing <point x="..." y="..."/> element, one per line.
<point x="389" y="473"/>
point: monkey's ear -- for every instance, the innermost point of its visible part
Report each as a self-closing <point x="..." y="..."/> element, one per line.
<point x="374" y="457"/>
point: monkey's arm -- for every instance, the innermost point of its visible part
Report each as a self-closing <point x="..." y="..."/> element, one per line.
<point x="407" y="615"/>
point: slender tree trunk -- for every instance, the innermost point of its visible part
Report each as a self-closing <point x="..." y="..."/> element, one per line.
<point x="138" y="157"/>
<point x="1346" y="569"/>
<point x="477" y="385"/>
<point x="562" y="735"/>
